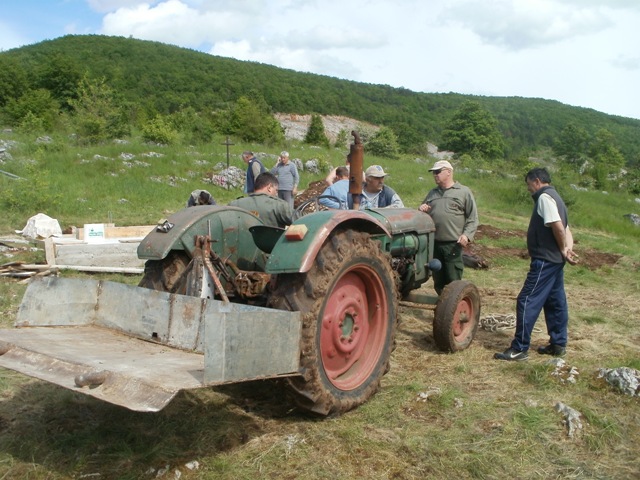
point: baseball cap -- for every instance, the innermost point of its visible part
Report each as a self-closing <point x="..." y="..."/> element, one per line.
<point x="375" y="171"/>
<point x="440" y="164"/>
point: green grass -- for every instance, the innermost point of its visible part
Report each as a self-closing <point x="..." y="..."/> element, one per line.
<point x="487" y="420"/>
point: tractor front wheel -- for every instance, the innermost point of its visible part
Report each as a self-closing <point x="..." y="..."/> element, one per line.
<point x="457" y="316"/>
<point x="349" y="305"/>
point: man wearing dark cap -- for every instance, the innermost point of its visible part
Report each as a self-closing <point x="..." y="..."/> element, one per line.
<point x="454" y="212"/>
<point x="200" y="197"/>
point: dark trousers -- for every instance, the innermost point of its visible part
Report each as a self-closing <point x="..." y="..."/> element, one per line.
<point x="287" y="196"/>
<point x="543" y="289"/>
<point x="450" y="255"/>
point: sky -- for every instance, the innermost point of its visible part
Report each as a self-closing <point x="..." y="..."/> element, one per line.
<point x="583" y="53"/>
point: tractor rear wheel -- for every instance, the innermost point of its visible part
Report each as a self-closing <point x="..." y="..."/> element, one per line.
<point x="457" y="316"/>
<point x="166" y="275"/>
<point x="349" y="305"/>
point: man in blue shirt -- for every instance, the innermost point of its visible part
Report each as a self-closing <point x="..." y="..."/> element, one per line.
<point x="339" y="189"/>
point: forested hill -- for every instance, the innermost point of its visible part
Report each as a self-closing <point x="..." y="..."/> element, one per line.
<point x="161" y="78"/>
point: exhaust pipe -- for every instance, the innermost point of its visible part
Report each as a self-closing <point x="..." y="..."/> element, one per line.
<point x="356" y="162"/>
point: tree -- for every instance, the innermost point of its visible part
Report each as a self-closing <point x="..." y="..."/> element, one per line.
<point x="572" y="143"/>
<point x="97" y="112"/>
<point x="194" y="127"/>
<point x="13" y="80"/>
<point x="61" y="75"/>
<point x="606" y="157"/>
<point x="37" y="106"/>
<point x="315" y="133"/>
<point x="253" y="123"/>
<point x="383" y="143"/>
<point x="342" y="139"/>
<point x="604" y="152"/>
<point x="474" y="131"/>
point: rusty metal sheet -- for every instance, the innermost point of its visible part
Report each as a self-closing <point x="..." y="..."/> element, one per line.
<point x="247" y="343"/>
<point x="140" y="375"/>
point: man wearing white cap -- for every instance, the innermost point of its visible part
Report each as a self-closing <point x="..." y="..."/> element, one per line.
<point x="454" y="212"/>
<point x="375" y="194"/>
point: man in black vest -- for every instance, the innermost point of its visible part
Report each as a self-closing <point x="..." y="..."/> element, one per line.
<point x="254" y="168"/>
<point x="375" y="194"/>
<point x="550" y="245"/>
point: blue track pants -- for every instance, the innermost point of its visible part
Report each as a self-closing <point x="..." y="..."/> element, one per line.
<point x="543" y="289"/>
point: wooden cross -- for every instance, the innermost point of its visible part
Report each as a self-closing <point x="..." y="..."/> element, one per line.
<point x="227" y="143"/>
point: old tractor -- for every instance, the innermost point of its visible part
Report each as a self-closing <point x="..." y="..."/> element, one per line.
<point x="225" y="298"/>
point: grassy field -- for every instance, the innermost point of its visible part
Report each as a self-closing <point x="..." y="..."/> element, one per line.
<point x="436" y="416"/>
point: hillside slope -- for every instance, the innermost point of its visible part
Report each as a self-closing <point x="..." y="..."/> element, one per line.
<point x="162" y="78"/>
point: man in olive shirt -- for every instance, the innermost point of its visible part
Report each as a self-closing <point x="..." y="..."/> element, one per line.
<point x="454" y="212"/>
<point x="265" y="204"/>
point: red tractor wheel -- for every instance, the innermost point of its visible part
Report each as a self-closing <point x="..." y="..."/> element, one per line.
<point x="457" y="316"/>
<point x="349" y="305"/>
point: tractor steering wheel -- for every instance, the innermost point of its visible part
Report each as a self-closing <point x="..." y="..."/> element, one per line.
<point x="301" y="210"/>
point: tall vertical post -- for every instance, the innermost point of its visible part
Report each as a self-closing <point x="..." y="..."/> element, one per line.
<point x="228" y="144"/>
<point x="356" y="161"/>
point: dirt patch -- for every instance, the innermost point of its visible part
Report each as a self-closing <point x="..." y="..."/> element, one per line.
<point x="591" y="259"/>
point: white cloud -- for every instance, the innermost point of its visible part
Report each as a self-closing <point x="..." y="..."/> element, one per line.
<point x="626" y="63"/>
<point x="323" y="37"/>
<point x="526" y="24"/>
<point x="172" y="21"/>
<point x="616" y="4"/>
<point x="106" y="6"/>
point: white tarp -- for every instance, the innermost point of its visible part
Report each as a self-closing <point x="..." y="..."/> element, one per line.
<point x="41" y="226"/>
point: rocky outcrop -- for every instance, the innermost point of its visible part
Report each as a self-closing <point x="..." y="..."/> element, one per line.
<point x="296" y="126"/>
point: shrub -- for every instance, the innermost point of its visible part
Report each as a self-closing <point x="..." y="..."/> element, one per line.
<point x="315" y="134"/>
<point x="159" y="130"/>
<point x="383" y="143"/>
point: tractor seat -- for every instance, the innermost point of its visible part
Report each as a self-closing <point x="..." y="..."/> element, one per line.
<point x="265" y="237"/>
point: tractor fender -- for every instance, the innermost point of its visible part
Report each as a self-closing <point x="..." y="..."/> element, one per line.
<point x="298" y="256"/>
<point x="227" y="226"/>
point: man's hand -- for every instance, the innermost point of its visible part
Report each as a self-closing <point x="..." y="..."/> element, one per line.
<point x="570" y="256"/>
<point x="463" y="240"/>
<point x="424" y="208"/>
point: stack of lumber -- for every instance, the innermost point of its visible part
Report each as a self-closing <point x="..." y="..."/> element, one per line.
<point x="116" y="252"/>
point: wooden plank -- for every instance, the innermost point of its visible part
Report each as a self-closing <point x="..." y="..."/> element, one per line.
<point x="117" y="255"/>
<point x="50" y="251"/>
<point x="111" y="231"/>
<point x="83" y="268"/>
<point x="94" y="269"/>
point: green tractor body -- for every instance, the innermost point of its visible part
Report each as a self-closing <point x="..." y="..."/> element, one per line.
<point x="227" y="299"/>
